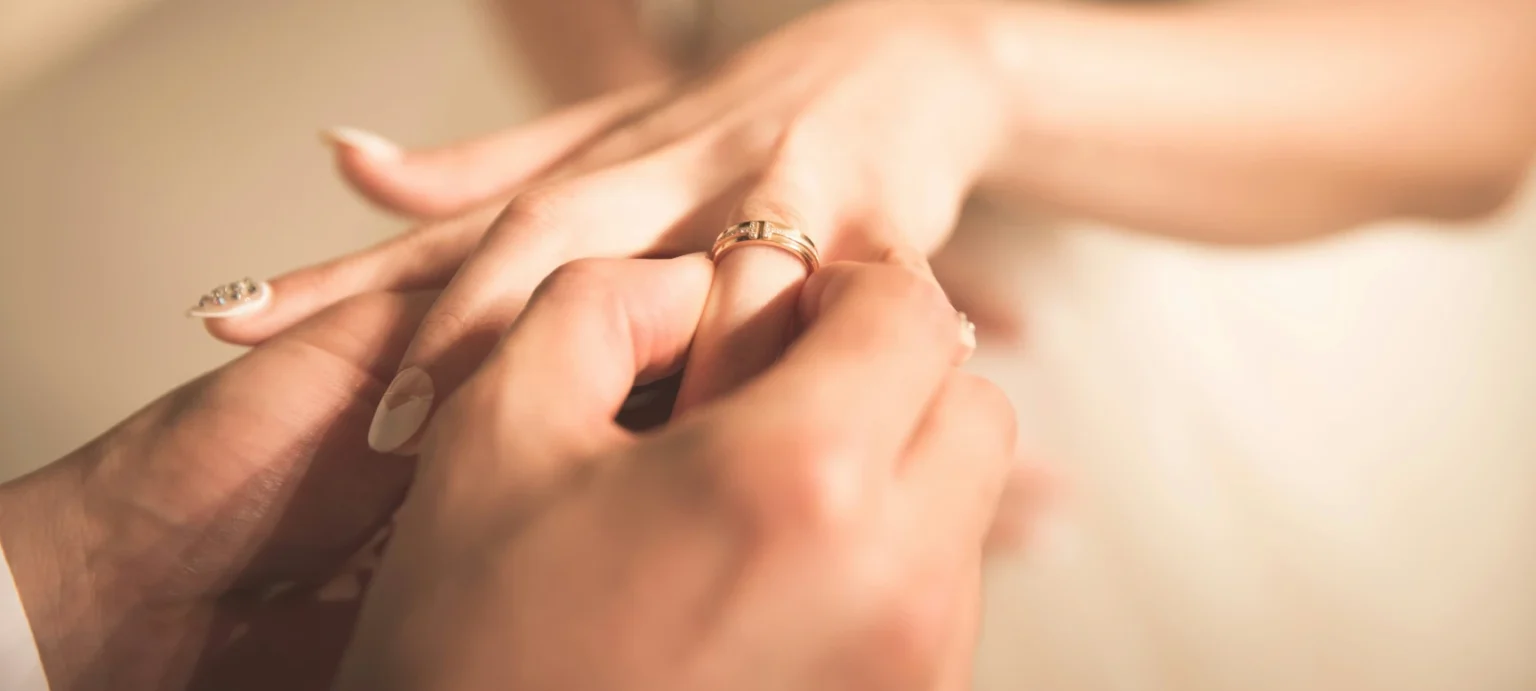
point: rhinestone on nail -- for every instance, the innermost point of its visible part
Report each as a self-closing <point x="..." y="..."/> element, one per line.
<point x="243" y="290"/>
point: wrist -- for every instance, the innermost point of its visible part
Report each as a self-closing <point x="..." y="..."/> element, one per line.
<point x="988" y="59"/>
<point x="48" y="544"/>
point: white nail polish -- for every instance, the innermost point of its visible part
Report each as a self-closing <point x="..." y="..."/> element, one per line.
<point x="236" y="299"/>
<point x="402" y="411"/>
<point x="364" y="142"/>
<point x="967" y="337"/>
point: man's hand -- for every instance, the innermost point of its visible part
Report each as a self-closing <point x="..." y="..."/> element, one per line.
<point x="820" y="528"/>
<point x="195" y="545"/>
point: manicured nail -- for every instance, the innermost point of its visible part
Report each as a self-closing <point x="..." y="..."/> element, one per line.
<point x="403" y="410"/>
<point x="232" y="300"/>
<point x="967" y="337"/>
<point x="364" y="142"/>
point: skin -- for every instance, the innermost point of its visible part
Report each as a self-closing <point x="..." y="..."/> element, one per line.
<point x="544" y="547"/>
<point x="223" y="536"/>
<point x="194" y="546"/>
<point x="870" y="124"/>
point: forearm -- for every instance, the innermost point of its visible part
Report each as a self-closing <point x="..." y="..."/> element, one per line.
<point x="1258" y="122"/>
<point x="583" y="48"/>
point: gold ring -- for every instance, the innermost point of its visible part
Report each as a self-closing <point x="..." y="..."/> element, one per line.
<point x="768" y="234"/>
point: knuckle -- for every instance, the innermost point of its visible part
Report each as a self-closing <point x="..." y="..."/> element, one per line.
<point x="536" y="207"/>
<point x="799" y="488"/>
<point x="592" y="283"/>
<point x="584" y="276"/>
<point x="591" y="291"/>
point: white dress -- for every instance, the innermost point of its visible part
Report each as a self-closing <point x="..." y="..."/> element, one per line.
<point x="1311" y="467"/>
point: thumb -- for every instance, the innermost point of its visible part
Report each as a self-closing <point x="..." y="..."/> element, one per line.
<point x="562" y="373"/>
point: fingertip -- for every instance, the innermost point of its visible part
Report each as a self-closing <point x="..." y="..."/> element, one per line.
<point x="696" y="267"/>
<point x="354" y="143"/>
<point x="820" y="285"/>
<point x="235" y="332"/>
<point x="231" y="311"/>
<point x="377" y="168"/>
<point x="873" y="285"/>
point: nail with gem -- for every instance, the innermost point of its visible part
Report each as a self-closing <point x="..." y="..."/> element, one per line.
<point x="232" y="300"/>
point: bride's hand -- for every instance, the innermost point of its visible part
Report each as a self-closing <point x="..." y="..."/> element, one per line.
<point x="863" y="126"/>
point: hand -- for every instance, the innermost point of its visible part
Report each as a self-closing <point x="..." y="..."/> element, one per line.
<point x="194" y="545"/>
<point x="864" y="125"/>
<point x="543" y="547"/>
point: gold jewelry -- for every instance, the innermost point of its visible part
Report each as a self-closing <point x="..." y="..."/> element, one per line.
<point x="768" y="234"/>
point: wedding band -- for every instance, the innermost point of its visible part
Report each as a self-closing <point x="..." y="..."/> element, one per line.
<point x="770" y="235"/>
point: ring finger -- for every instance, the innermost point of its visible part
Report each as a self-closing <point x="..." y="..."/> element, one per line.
<point x="749" y="318"/>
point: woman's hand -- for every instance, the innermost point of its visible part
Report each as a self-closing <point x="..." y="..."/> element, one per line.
<point x="863" y="125"/>
<point x="220" y="537"/>
<point x="820" y="528"/>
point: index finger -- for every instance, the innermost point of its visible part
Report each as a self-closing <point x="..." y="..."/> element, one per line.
<point x="879" y="342"/>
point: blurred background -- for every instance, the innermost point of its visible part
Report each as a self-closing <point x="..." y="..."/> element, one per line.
<point x="150" y="150"/>
<point x="1310" y="467"/>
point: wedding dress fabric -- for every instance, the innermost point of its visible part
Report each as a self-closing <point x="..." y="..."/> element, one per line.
<point x="1308" y="467"/>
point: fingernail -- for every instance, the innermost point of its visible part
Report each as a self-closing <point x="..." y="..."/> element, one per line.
<point x="967" y="337"/>
<point x="232" y="300"/>
<point x="364" y="142"/>
<point x="403" y="410"/>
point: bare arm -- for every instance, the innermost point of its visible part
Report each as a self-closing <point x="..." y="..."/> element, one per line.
<point x="1259" y="122"/>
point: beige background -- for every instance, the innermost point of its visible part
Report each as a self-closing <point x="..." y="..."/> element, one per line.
<point x="1311" y="468"/>
<point x="179" y="151"/>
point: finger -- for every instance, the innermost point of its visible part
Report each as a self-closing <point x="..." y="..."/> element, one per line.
<point x="371" y="331"/>
<point x="343" y="493"/>
<point x="958" y="660"/>
<point x="425" y="258"/>
<point x="957" y="464"/>
<point x="620" y="211"/>
<point x="880" y="341"/>
<point x="985" y="293"/>
<point x="1028" y="493"/>
<point x="951" y="481"/>
<point x="564" y="370"/>
<point x="750" y="315"/>
<point x="437" y="183"/>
